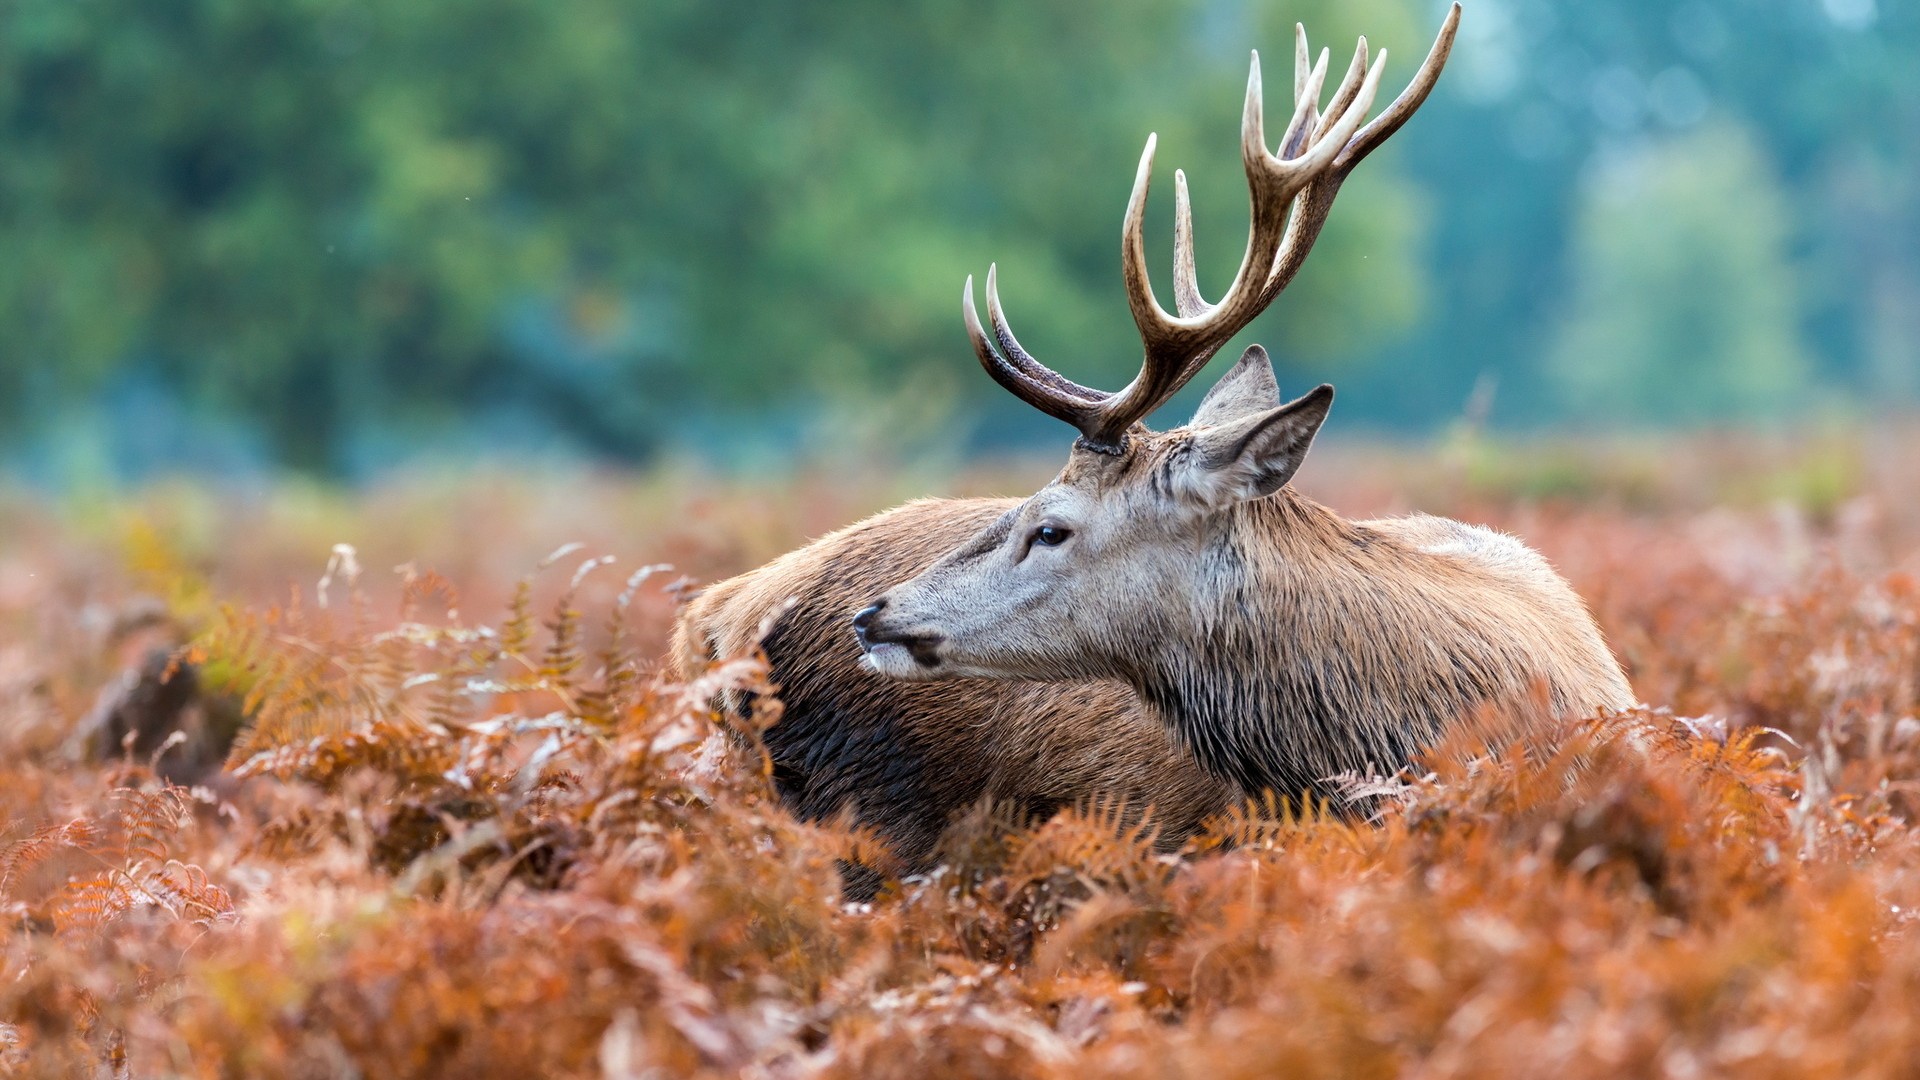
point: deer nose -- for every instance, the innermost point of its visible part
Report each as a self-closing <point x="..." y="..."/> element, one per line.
<point x="863" y="621"/>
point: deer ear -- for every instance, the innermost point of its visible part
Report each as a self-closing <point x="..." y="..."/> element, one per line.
<point x="1247" y="388"/>
<point x="1255" y="455"/>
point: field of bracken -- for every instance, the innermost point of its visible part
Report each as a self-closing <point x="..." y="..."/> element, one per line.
<point x="302" y="782"/>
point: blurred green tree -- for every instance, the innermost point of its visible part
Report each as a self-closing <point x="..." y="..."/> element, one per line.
<point x="1684" y="304"/>
<point x="328" y="216"/>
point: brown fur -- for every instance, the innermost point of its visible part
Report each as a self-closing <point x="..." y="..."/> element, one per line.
<point x="904" y="757"/>
<point x="1374" y="638"/>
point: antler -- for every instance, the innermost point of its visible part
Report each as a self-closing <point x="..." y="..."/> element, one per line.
<point x="1291" y="193"/>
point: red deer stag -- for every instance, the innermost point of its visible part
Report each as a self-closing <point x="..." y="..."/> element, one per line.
<point x="904" y="755"/>
<point x="1282" y="643"/>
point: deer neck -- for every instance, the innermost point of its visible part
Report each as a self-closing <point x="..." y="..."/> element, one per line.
<point x="1281" y="675"/>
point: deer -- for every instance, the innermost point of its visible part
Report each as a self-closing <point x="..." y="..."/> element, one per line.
<point x="1288" y="648"/>
<point x="880" y="723"/>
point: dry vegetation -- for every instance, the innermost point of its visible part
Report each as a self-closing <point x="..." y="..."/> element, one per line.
<point x="464" y="832"/>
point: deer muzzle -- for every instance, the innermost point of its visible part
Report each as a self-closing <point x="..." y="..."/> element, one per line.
<point x="901" y="652"/>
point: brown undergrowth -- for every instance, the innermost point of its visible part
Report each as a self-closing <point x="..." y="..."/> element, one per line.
<point x="395" y="838"/>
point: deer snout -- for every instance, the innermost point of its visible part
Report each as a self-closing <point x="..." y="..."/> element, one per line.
<point x="863" y="621"/>
<point x="899" y="651"/>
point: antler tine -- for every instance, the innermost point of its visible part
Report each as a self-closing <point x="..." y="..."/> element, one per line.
<point x="1397" y="114"/>
<point x="1349" y="88"/>
<point x="1149" y="317"/>
<point x="1253" y="112"/>
<point x="1302" y="60"/>
<point x="1186" y="289"/>
<point x="1047" y="399"/>
<point x="1306" y="110"/>
<point x="1020" y="359"/>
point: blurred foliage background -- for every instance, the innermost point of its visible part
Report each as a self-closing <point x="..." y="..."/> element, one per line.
<point x="339" y="235"/>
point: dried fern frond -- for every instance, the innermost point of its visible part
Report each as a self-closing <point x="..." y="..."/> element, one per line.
<point x="19" y="856"/>
<point x="1266" y="822"/>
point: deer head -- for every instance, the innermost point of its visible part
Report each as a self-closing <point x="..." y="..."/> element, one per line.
<point x="1114" y="551"/>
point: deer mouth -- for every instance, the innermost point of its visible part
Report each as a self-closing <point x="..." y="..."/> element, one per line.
<point x="902" y="654"/>
<point x="914" y="658"/>
<point x="885" y="651"/>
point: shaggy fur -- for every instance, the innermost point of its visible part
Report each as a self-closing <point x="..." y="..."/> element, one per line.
<point x="904" y="757"/>
<point x="1348" y="647"/>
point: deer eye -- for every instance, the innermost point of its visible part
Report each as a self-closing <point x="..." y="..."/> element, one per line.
<point x="1051" y="535"/>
